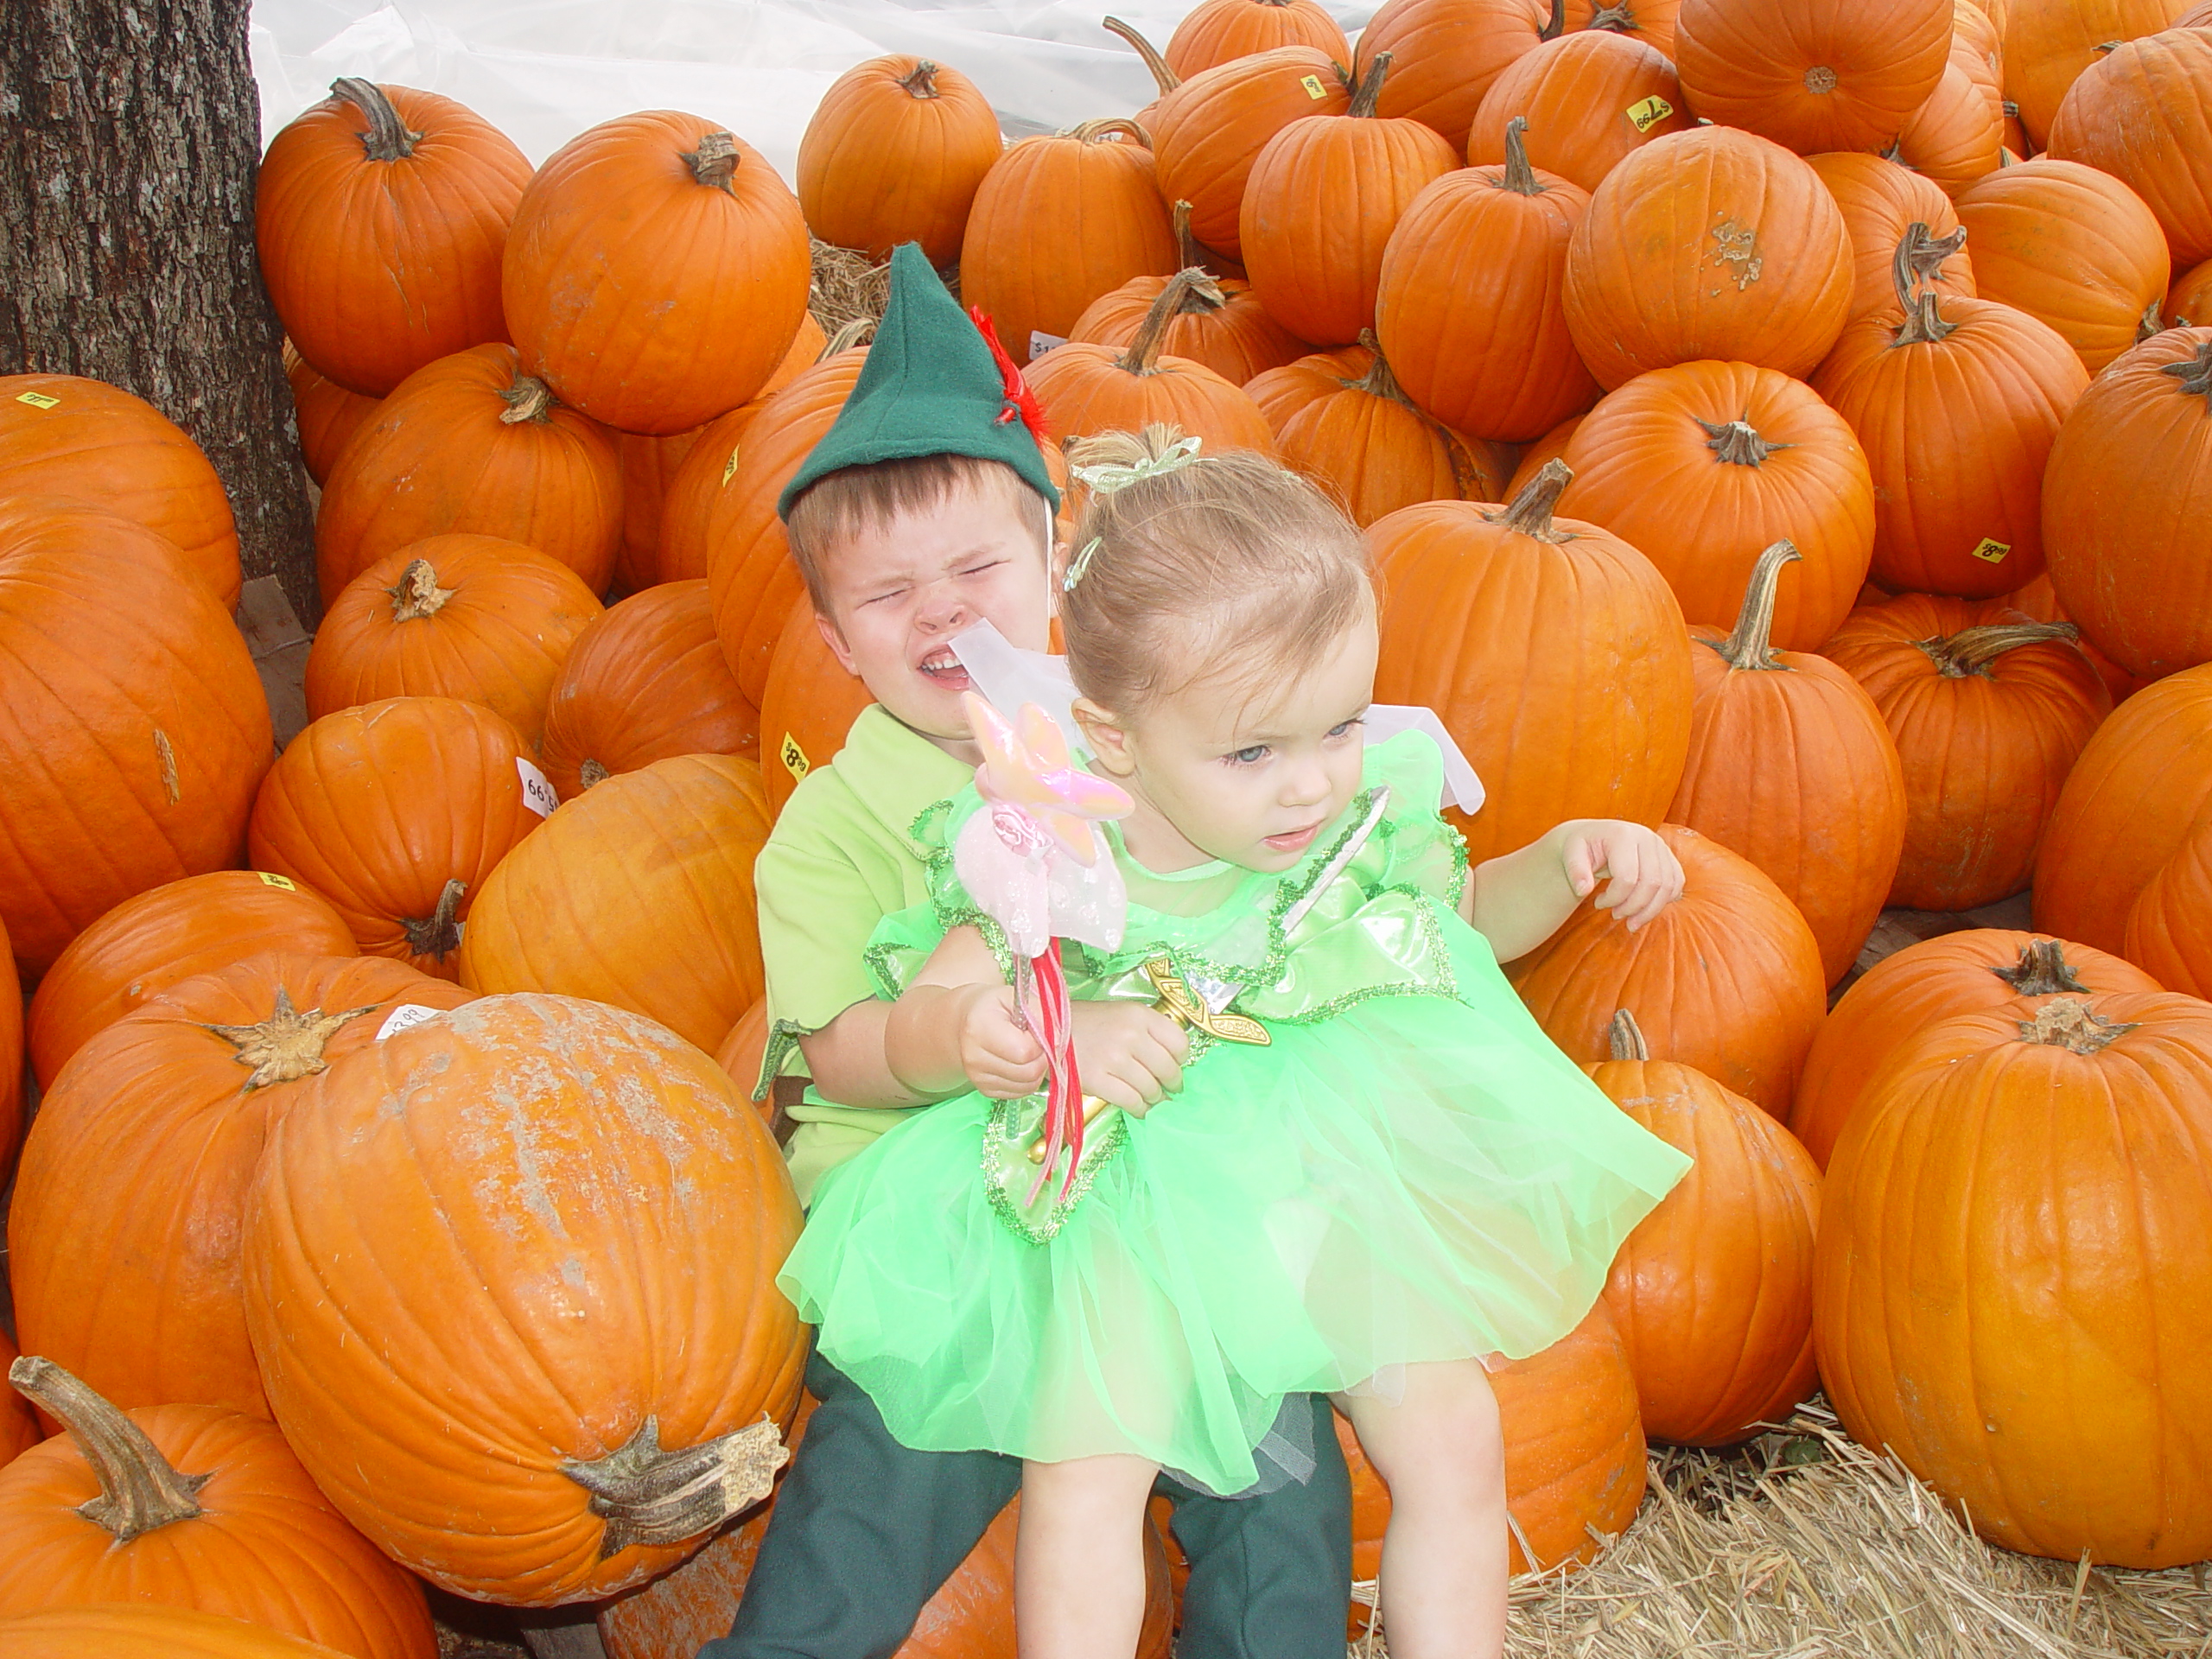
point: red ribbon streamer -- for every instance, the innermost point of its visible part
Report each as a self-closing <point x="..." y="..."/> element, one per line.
<point x="1055" y="1027"/>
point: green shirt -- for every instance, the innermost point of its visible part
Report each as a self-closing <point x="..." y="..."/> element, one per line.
<point x="840" y="860"/>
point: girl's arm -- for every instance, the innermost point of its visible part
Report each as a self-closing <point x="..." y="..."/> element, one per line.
<point x="1517" y="900"/>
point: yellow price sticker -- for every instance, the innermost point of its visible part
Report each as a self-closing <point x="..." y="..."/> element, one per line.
<point x="1650" y="112"/>
<point x="729" y="467"/>
<point x="793" y="757"/>
<point x="1313" y="87"/>
<point x="282" y="883"/>
<point x="36" y="399"/>
<point x="1990" y="550"/>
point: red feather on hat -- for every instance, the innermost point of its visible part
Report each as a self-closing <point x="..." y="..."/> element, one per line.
<point x="1021" y="402"/>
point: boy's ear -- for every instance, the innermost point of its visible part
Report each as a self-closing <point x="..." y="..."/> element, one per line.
<point x="833" y="637"/>
<point x="1109" y="741"/>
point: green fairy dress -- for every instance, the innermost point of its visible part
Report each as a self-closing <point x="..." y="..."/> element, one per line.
<point x="1407" y="1171"/>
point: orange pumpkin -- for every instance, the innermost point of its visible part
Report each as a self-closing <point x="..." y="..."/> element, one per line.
<point x="128" y="707"/>
<point x="687" y="510"/>
<point x="2143" y="113"/>
<point x="1957" y="137"/>
<point x="893" y="153"/>
<point x="471" y="443"/>
<point x="656" y="272"/>
<point x="474" y="617"/>
<point x="195" y="1507"/>
<point x="1235" y="337"/>
<point x="2170" y="924"/>
<point x="646" y="682"/>
<point x="2048" y="43"/>
<point x="1727" y="978"/>
<point x="743" y="1051"/>
<point x="1881" y="200"/>
<point x="2188" y="301"/>
<point x="1209" y="132"/>
<point x="1463" y="587"/>
<point x="2038" y="602"/>
<point x="1469" y="299"/>
<point x="123" y="1236"/>
<point x="381" y="214"/>
<point x="2128" y="483"/>
<point x="1792" y="765"/>
<point x="1813" y="74"/>
<point x="1956" y="402"/>
<point x="1703" y="466"/>
<point x="1549" y="448"/>
<point x="640" y="1404"/>
<point x="11" y="1079"/>
<point x="1323" y="196"/>
<point x="19" y="1425"/>
<point x="1712" y="1292"/>
<point x="1215" y="31"/>
<point x="328" y="414"/>
<point x="174" y="932"/>
<point x="1448" y="53"/>
<point x="649" y="466"/>
<point x="1909" y="990"/>
<point x="1019" y="265"/>
<point x="1651" y="22"/>
<point x="2141" y="784"/>
<point x="451" y="780"/>
<point x="1589" y="98"/>
<point x="2003" y="1295"/>
<point x="809" y="704"/>
<point x="588" y="906"/>
<point x="67" y="436"/>
<point x="1709" y="244"/>
<point x="119" y="1630"/>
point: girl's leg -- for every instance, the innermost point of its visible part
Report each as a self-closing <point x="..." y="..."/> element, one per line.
<point x="1444" y="1556"/>
<point x="1078" y="1578"/>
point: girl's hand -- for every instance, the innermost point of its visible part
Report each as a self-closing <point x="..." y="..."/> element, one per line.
<point x="1000" y="1057"/>
<point x="1641" y="873"/>
<point x="1129" y="1055"/>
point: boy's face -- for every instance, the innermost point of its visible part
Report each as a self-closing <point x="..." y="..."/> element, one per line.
<point x="899" y="591"/>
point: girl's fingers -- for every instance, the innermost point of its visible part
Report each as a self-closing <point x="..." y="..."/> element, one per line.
<point x="1581" y="865"/>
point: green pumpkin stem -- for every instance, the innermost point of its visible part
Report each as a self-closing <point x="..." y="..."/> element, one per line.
<point x="1626" y="1038"/>
<point x="1143" y="352"/>
<point x="1750" y="644"/>
<point x="389" y="138"/>
<point x="1520" y="177"/>
<point x="2042" y="971"/>
<point x="1370" y="87"/>
<point x="1972" y="649"/>
<point x="140" y="1488"/>
<point x="921" y="82"/>
<point x="2194" y="373"/>
<point x="1531" y="511"/>
<point x="1162" y="77"/>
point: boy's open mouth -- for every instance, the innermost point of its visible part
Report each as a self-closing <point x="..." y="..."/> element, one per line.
<point x="942" y="668"/>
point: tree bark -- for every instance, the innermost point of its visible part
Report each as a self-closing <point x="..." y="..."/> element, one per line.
<point x="131" y="139"/>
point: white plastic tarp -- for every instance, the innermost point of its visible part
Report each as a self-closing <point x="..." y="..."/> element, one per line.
<point x="545" y="70"/>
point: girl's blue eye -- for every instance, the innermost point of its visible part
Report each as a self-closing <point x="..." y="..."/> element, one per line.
<point x="1250" y="757"/>
<point x="1343" y="727"/>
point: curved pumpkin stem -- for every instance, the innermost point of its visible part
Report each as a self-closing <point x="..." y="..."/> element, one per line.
<point x="437" y="935"/>
<point x="1972" y="649"/>
<point x="1626" y="1038"/>
<point x="389" y="138"/>
<point x="1557" y="26"/>
<point x="417" y="593"/>
<point x="1143" y="351"/>
<point x="140" y="1488"/>
<point x="1750" y="645"/>
<point x="1162" y="77"/>
<point x="1616" y="16"/>
<point x="1520" y="177"/>
<point x="856" y="329"/>
<point x="2149" y="323"/>
<point x="1738" y="442"/>
<point x="2076" y="1026"/>
<point x="1918" y="258"/>
<point x="649" y="1496"/>
<point x="712" y="163"/>
<point x="1370" y="87"/>
<point x="528" y="399"/>
<point x="287" y="1046"/>
<point x="1095" y="132"/>
<point x="2194" y="373"/>
<point x="1531" y="511"/>
<point x="2042" y="971"/>
<point x="922" y="82"/>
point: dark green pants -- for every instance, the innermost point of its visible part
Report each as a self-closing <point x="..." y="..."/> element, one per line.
<point x="865" y="1531"/>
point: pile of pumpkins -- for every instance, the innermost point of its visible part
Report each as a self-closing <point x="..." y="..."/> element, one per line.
<point x="1756" y="436"/>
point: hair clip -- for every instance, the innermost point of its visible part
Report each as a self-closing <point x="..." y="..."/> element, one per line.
<point x="1078" y="565"/>
<point x="1106" y="479"/>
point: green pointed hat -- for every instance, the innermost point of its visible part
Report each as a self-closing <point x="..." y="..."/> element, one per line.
<point x="934" y="383"/>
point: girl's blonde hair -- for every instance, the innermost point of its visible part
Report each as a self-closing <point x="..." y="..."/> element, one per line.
<point x="1224" y="568"/>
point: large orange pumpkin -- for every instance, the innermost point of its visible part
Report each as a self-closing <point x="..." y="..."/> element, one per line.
<point x="1712" y="1292"/>
<point x="687" y="506"/>
<point x="1323" y="196"/>
<point x="133" y="727"/>
<point x="1549" y="448"/>
<point x="2189" y="299"/>
<point x="1792" y="765"/>
<point x="1956" y="402"/>
<point x="649" y="466"/>
<point x="1880" y="201"/>
<point x="1589" y="98"/>
<point x="2038" y="602"/>
<point x="2008" y="1293"/>
<point x="1448" y="54"/>
<point x="474" y="617"/>
<point x="380" y="214"/>
<point x="1209" y="130"/>
<point x="1470" y="299"/>
<point x="2128" y="484"/>
<point x="543" y="1179"/>
<point x="1020" y="264"/>
<point x="2170" y="924"/>
<point x="328" y="414"/>
<point x="893" y="153"/>
<point x="1504" y="621"/>
<point x="174" y="932"/>
<point x="657" y="272"/>
<point x="1651" y="22"/>
<point x="1703" y="466"/>
<point x="809" y="704"/>
<point x="1726" y="978"/>
<point x="19" y="1425"/>
<point x="395" y="812"/>
<point x="1711" y="243"/>
<point x="471" y="443"/>
<point x="197" y="1507"/>
<point x="2143" y="113"/>
<point x="1235" y="337"/>
<point x="1214" y="31"/>
<point x="123" y="1236"/>
<point x="120" y="1629"/>
<point x="646" y="682"/>
<point x="2141" y="784"/>
<point x="1909" y="990"/>
<point x="591" y="904"/>
<point x="1813" y="74"/>
<point x="61" y="435"/>
<point x="1957" y="137"/>
<point x="11" y="1080"/>
<point x="2048" y="43"/>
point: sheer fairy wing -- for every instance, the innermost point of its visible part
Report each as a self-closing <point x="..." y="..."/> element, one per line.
<point x="1010" y="676"/>
<point x="1387" y="719"/>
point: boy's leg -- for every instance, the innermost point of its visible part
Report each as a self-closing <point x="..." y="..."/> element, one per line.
<point x="864" y="1532"/>
<point x="1270" y="1575"/>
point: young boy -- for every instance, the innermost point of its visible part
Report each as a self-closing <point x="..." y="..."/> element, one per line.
<point x="927" y="507"/>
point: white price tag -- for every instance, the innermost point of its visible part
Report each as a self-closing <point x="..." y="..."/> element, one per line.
<point x="537" y="792"/>
<point x="1040" y="342"/>
<point x="405" y="1017"/>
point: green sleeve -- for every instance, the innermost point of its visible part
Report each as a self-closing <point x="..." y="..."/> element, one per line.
<point x="1417" y="848"/>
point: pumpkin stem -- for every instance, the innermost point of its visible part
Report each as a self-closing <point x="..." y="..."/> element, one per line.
<point x="140" y="1488"/>
<point x="2064" y="1023"/>
<point x="1378" y="381"/>
<point x="528" y="399"/>
<point x="1531" y="511"/>
<point x="649" y="1496"/>
<point x="165" y="752"/>
<point x="712" y="163"/>
<point x="1626" y="1038"/>
<point x="1370" y="87"/>
<point x="1520" y="177"/>
<point x="437" y="935"/>
<point x="1162" y="77"/>
<point x="1614" y="16"/>
<point x="1972" y="649"/>
<point x="287" y="1046"/>
<point x="1923" y="323"/>
<point x="417" y="593"/>
<point x="1093" y="132"/>
<point x="922" y="82"/>
<point x="1820" y="80"/>
<point x="856" y="329"/>
<point x="2194" y="373"/>
<point x="2042" y="971"/>
<point x="1557" y="27"/>
<point x="1750" y="645"/>
<point x="1920" y="257"/>
<point x="388" y="138"/>
<point x="2149" y="323"/>
<point x="1144" y="348"/>
<point x="1738" y="442"/>
<point x="591" y="773"/>
<point x="1187" y="246"/>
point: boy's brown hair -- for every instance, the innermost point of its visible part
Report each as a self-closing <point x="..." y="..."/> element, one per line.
<point x="874" y="494"/>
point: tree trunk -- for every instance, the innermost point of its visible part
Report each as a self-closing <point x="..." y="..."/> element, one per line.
<point x="132" y="132"/>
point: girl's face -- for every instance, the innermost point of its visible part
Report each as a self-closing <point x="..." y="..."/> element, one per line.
<point x="1251" y="780"/>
